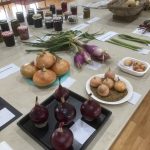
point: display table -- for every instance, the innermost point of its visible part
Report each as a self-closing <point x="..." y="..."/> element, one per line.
<point x="21" y="94"/>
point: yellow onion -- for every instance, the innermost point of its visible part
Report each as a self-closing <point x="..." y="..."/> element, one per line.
<point x="44" y="77"/>
<point x="45" y="58"/>
<point x="60" y="67"/>
<point x="28" y="70"/>
<point x="95" y="82"/>
<point x="109" y="82"/>
<point x="110" y="74"/>
<point x="103" y="90"/>
<point x="120" y="86"/>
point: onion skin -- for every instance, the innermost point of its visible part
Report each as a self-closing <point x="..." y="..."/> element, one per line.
<point x="60" y="67"/>
<point x="44" y="77"/>
<point x="62" y="139"/>
<point x="45" y="59"/>
<point x="28" y="70"/>
<point x="90" y="110"/>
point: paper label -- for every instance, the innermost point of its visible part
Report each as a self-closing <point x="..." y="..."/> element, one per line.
<point x="5" y="146"/>
<point x="80" y="26"/>
<point x="8" y="70"/>
<point x="5" y="116"/>
<point x="135" y="98"/>
<point x="81" y="131"/>
<point x="68" y="82"/>
<point x="106" y="36"/>
<point x="141" y="32"/>
<point x="93" y="20"/>
<point x="94" y="65"/>
<point x="144" y="51"/>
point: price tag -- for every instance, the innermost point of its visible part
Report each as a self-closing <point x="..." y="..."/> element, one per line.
<point x="81" y="131"/>
<point x="135" y="98"/>
<point x="106" y="36"/>
<point x="5" y="116"/>
<point x="68" y="82"/>
<point x="94" y="65"/>
<point x="93" y="20"/>
<point x="8" y="70"/>
<point x="144" y="51"/>
<point x="80" y="26"/>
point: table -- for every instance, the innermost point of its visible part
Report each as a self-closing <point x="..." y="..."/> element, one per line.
<point x="21" y="95"/>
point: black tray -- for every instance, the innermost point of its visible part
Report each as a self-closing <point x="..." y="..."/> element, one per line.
<point x="42" y="136"/>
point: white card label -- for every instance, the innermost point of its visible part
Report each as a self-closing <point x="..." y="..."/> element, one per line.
<point x="5" y="116"/>
<point x="106" y="36"/>
<point x="94" y="65"/>
<point x="135" y="98"/>
<point x="5" y="146"/>
<point x="144" y="51"/>
<point x="141" y="32"/>
<point x="81" y="131"/>
<point x="93" y="20"/>
<point x="80" y="26"/>
<point x="68" y="82"/>
<point x="8" y="70"/>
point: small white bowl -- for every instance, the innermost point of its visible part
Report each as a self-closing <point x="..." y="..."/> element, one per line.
<point x="129" y="69"/>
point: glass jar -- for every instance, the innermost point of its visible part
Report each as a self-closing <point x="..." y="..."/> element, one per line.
<point x="40" y="12"/>
<point x="58" y="24"/>
<point x="14" y="25"/>
<point x="1" y="38"/>
<point x="20" y="16"/>
<point x="72" y="19"/>
<point x="86" y="13"/>
<point x="49" y="22"/>
<point x="64" y="6"/>
<point x="66" y="14"/>
<point x="29" y="18"/>
<point x="4" y="25"/>
<point x="52" y="9"/>
<point x="37" y="20"/>
<point x="73" y="9"/>
<point x="8" y="38"/>
<point x="59" y="11"/>
<point x="23" y="32"/>
<point x="48" y="14"/>
<point x="31" y="10"/>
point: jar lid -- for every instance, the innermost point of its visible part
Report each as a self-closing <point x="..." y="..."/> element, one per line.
<point x="19" y="12"/>
<point x="22" y="28"/>
<point x="3" y="21"/>
<point x="14" y="20"/>
<point x="57" y="18"/>
<point x="86" y="8"/>
<point x="30" y="10"/>
<point x="7" y="33"/>
<point x="48" y="18"/>
<point x="67" y="13"/>
<point x="37" y="16"/>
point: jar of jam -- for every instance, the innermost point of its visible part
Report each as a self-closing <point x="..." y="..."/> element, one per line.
<point x="14" y="25"/>
<point x="8" y="38"/>
<point x="52" y="9"/>
<point x="31" y="10"/>
<point x="49" y="22"/>
<point x="86" y="13"/>
<point x="72" y="19"/>
<point x="20" y="16"/>
<point x="4" y="25"/>
<point x="73" y="9"/>
<point x="57" y="24"/>
<point x="40" y="12"/>
<point x="64" y="6"/>
<point x="37" y="20"/>
<point x="29" y="18"/>
<point x="23" y="32"/>
<point x="48" y="14"/>
<point x="59" y="11"/>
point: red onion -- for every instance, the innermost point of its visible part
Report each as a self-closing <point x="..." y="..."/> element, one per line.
<point x="86" y="56"/>
<point x="79" y="60"/>
<point x="62" y="139"/>
<point x="61" y="92"/>
<point x="90" y="110"/>
<point x="39" y="115"/>
<point x="65" y="112"/>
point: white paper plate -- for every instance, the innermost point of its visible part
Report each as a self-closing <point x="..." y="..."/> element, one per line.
<point x="126" y="98"/>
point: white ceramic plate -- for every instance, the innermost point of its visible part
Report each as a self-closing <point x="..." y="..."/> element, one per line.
<point x="126" y="98"/>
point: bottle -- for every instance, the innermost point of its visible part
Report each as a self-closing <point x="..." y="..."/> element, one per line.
<point x="23" y="32"/>
<point x="4" y="25"/>
<point x="20" y="16"/>
<point x="14" y="25"/>
<point x="86" y="13"/>
<point x="8" y="38"/>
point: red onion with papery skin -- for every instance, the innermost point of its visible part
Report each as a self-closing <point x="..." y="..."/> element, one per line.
<point x="39" y="115"/>
<point x="61" y="92"/>
<point x="65" y="112"/>
<point x="62" y="138"/>
<point x="86" y="56"/>
<point x="90" y="110"/>
<point x="79" y="60"/>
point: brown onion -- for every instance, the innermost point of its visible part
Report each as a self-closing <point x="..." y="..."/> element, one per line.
<point x="28" y="70"/>
<point x="44" y="77"/>
<point x="61" y="66"/>
<point x="109" y="82"/>
<point x="103" y="90"/>
<point x="45" y="58"/>
<point x="120" y="86"/>
<point x="110" y="74"/>
<point x="95" y="82"/>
